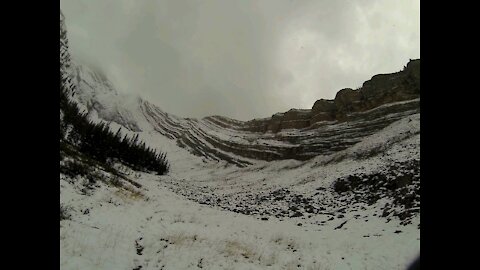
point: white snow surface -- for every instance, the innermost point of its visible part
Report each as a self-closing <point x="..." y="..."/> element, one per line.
<point x="173" y="232"/>
<point x="179" y="234"/>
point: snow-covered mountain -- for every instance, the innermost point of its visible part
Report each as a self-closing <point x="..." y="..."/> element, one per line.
<point x="296" y="134"/>
<point x="332" y="187"/>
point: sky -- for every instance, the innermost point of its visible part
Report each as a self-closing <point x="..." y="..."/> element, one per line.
<point x="242" y="59"/>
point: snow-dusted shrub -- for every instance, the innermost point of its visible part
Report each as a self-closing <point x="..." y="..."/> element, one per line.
<point x="64" y="212"/>
<point x="115" y="180"/>
<point x="74" y="168"/>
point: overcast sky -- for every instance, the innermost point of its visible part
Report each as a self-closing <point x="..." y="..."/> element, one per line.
<point x="243" y="59"/>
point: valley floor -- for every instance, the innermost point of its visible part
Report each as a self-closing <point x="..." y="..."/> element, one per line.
<point x="158" y="229"/>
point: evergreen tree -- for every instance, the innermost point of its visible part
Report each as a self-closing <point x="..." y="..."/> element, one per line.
<point x="99" y="142"/>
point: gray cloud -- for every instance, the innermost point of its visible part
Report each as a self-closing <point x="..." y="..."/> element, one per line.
<point x="243" y="59"/>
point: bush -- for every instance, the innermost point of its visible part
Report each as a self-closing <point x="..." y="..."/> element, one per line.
<point x="74" y="168"/>
<point x="64" y="212"/>
<point x="115" y="180"/>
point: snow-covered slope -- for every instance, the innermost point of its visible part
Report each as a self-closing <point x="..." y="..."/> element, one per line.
<point x="208" y="215"/>
<point x="113" y="229"/>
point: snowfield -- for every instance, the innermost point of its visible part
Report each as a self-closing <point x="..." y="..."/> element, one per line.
<point x="168" y="223"/>
<point x="162" y="230"/>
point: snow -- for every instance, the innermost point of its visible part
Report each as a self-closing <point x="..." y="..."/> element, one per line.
<point x="179" y="234"/>
<point x="387" y="105"/>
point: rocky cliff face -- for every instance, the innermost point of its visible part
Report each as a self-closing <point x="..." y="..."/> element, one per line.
<point x="380" y="90"/>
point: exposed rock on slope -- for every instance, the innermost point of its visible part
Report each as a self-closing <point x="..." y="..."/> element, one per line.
<point x="381" y="173"/>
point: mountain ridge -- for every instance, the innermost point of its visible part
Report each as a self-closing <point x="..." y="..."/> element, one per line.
<point x="301" y="134"/>
<point x="381" y="89"/>
<point x="325" y="109"/>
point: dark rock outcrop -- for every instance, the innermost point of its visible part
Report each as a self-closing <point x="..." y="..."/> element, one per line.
<point x="400" y="182"/>
<point x="379" y="90"/>
<point x="323" y="110"/>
